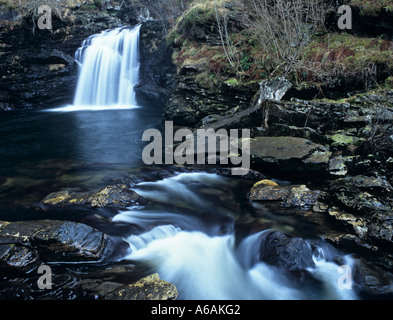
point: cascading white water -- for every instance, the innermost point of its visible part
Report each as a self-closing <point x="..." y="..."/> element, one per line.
<point x="109" y="71"/>
<point x="205" y="265"/>
<point x="109" y="68"/>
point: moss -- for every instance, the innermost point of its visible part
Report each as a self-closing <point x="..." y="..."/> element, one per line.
<point x="389" y="82"/>
<point x="341" y="55"/>
<point x="344" y="140"/>
<point x="372" y="8"/>
<point x="232" y="82"/>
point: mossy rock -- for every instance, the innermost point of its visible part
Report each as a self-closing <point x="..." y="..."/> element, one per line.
<point x="113" y="196"/>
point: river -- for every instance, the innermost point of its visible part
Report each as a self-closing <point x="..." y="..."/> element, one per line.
<point x="198" y="231"/>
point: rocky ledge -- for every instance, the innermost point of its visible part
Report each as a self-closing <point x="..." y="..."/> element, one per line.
<point x="27" y="245"/>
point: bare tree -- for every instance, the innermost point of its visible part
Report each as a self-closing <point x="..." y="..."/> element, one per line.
<point x="222" y="25"/>
<point x="283" y="27"/>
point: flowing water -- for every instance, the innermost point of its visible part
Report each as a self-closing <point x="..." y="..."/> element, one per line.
<point x="199" y="249"/>
<point x="197" y="229"/>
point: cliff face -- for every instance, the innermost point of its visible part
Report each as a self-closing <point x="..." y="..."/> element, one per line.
<point x="38" y="69"/>
<point x="156" y="79"/>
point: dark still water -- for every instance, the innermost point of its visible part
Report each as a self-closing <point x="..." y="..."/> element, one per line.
<point x="58" y="148"/>
<point x="106" y="137"/>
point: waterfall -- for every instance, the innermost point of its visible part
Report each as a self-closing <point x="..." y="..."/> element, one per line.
<point x="109" y="68"/>
<point x="109" y="71"/>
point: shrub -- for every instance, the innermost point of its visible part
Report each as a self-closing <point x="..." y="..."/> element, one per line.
<point x="284" y="27"/>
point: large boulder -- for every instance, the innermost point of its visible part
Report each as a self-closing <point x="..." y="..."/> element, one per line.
<point x="290" y="155"/>
<point x="289" y="253"/>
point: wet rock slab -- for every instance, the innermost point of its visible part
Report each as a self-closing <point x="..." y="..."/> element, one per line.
<point x="290" y="154"/>
<point x="28" y="242"/>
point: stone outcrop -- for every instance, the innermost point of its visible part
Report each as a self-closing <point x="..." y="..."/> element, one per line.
<point x="190" y="102"/>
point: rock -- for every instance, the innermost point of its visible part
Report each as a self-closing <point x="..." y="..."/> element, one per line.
<point x="113" y="196"/>
<point x="276" y="149"/>
<point x="301" y="197"/>
<point x="320" y="116"/>
<point x="292" y="196"/>
<point x="337" y="166"/>
<point x="372" y="280"/>
<point x="281" y="129"/>
<point x="273" y="89"/>
<point x="17" y="258"/>
<point x="292" y="254"/>
<point x="148" y="288"/>
<point x="363" y="194"/>
<point x="248" y="118"/>
<point x="268" y="193"/>
<point x="192" y="101"/>
<point x="343" y="141"/>
<point x="56" y="240"/>
<point x="350" y="221"/>
<point x="290" y="155"/>
<point x="156" y="82"/>
<point x="365" y="203"/>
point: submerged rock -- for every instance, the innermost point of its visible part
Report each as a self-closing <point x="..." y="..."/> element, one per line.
<point x="372" y="280"/>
